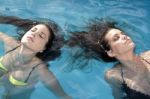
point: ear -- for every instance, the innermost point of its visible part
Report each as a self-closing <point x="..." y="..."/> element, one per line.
<point x="110" y="53"/>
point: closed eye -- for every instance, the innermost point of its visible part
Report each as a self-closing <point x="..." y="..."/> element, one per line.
<point x="42" y="35"/>
<point x="116" y="37"/>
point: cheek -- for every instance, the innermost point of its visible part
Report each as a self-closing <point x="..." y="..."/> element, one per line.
<point x="37" y="47"/>
<point x="117" y="47"/>
<point x="23" y="39"/>
<point x="41" y="44"/>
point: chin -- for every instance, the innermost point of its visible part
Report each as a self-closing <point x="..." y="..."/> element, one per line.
<point x="132" y="45"/>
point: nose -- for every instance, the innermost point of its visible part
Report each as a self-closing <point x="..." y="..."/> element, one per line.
<point x="33" y="35"/>
<point x="124" y="37"/>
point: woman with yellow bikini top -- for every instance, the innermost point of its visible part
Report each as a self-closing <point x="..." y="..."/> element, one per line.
<point x="26" y="59"/>
<point x="18" y="75"/>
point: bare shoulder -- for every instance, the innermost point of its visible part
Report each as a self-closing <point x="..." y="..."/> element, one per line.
<point x="45" y="74"/>
<point x="145" y="54"/>
<point x="42" y="66"/>
<point x="43" y="69"/>
<point x="113" y="75"/>
<point x="9" y="42"/>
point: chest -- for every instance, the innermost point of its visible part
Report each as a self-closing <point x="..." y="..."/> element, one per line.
<point x="25" y="72"/>
<point x="27" y="76"/>
<point x="138" y="81"/>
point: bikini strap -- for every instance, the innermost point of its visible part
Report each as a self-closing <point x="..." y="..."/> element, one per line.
<point x="145" y="60"/>
<point x="13" y="49"/>
<point x="32" y="71"/>
<point x="121" y="72"/>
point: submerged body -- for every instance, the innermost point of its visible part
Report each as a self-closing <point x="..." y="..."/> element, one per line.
<point x="130" y="78"/>
<point x="105" y="40"/>
<point x="26" y="60"/>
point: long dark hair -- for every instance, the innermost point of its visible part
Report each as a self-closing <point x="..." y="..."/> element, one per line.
<point x="92" y="40"/>
<point x="55" y="42"/>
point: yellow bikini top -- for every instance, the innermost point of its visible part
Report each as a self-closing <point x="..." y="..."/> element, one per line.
<point x="11" y="78"/>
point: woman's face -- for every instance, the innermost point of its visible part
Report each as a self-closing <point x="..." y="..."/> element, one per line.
<point x="36" y="38"/>
<point x="119" y="42"/>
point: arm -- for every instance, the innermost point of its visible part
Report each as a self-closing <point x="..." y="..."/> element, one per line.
<point x="9" y="41"/>
<point x="52" y="83"/>
<point x="115" y="84"/>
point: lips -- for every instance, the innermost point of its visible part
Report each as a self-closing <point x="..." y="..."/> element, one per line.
<point x="30" y="38"/>
<point x="127" y="41"/>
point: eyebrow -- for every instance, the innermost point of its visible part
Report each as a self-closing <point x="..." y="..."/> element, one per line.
<point x="118" y="33"/>
<point x="35" y="28"/>
<point x="122" y="32"/>
<point x="114" y="35"/>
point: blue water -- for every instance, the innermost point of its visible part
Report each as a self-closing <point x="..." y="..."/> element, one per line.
<point x="89" y="83"/>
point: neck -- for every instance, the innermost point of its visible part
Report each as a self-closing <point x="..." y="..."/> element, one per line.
<point x="134" y="64"/>
<point x="26" y="54"/>
<point x="130" y="60"/>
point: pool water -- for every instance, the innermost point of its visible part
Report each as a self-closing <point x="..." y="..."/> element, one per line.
<point x="88" y="83"/>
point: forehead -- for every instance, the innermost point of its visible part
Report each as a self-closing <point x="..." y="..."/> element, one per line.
<point x="111" y="33"/>
<point x="43" y="28"/>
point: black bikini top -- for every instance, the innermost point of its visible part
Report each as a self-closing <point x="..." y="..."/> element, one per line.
<point x="129" y="93"/>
